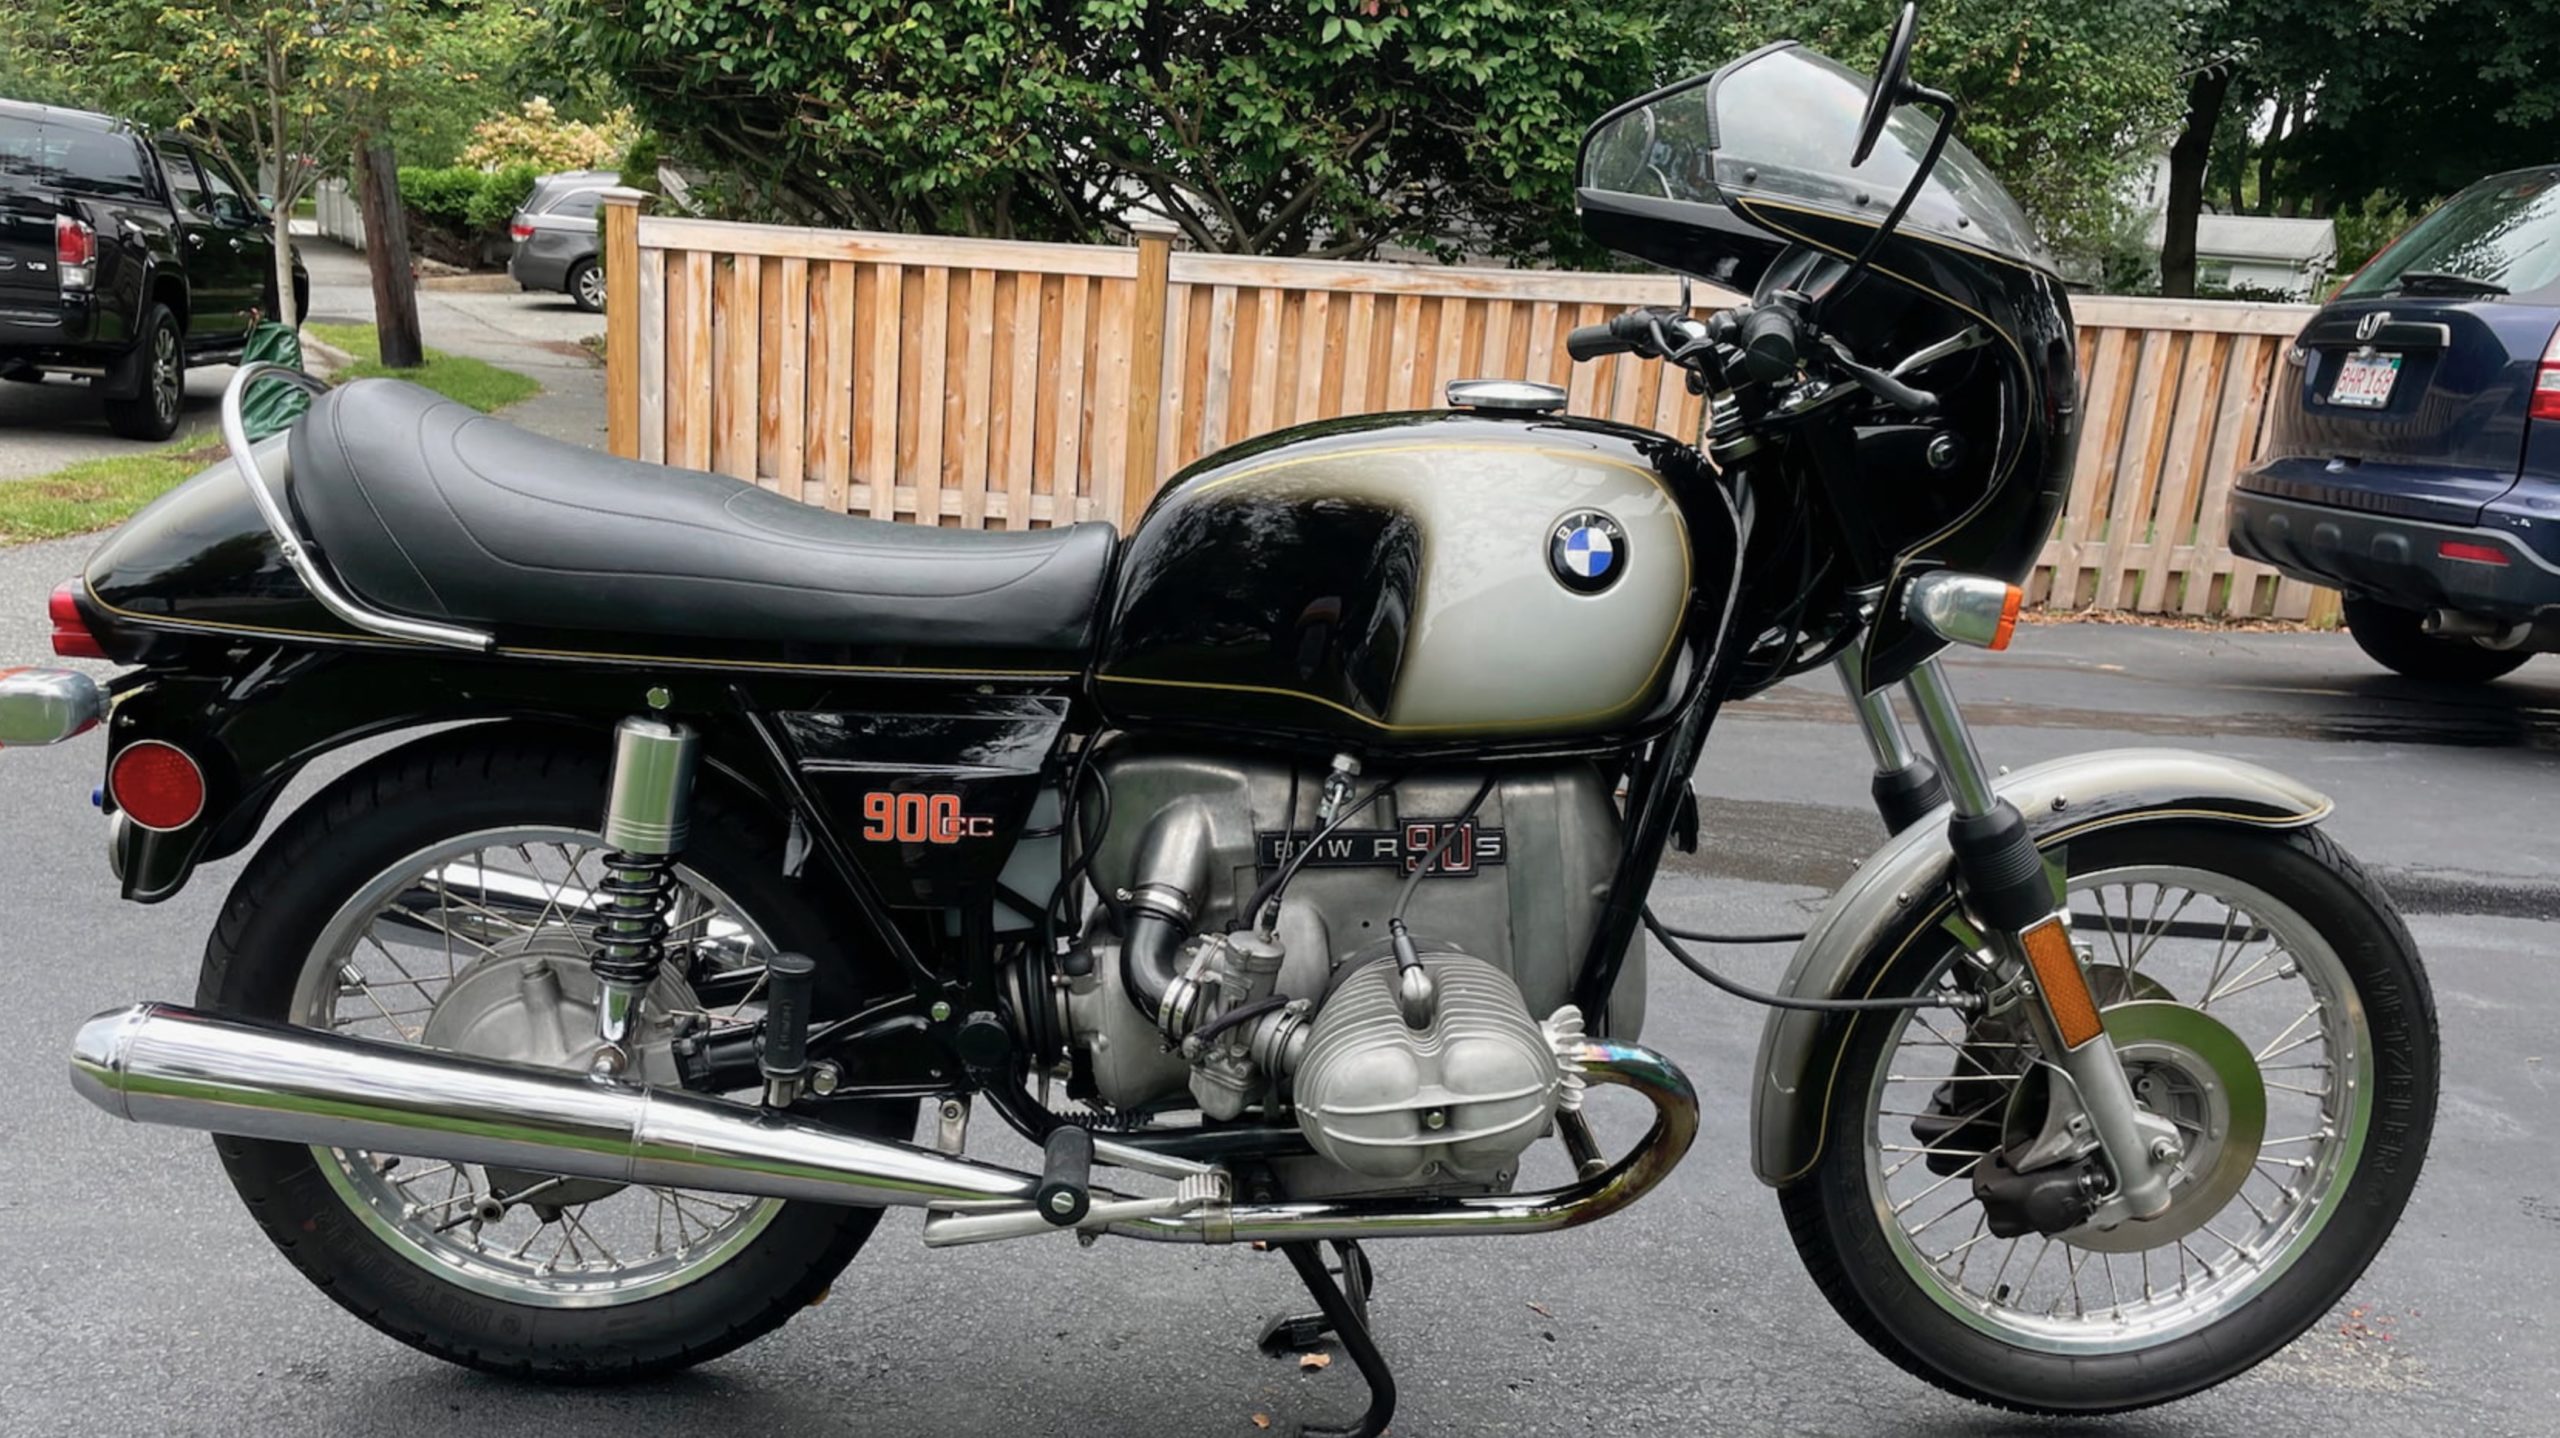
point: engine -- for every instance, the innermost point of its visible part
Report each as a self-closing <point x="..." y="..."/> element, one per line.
<point x="1419" y="1055"/>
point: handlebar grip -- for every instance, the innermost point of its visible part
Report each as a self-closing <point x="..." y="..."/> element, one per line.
<point x="1590" y="342"/>
<point x="1768" y="342"/>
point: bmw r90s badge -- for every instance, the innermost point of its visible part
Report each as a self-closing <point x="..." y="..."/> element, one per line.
<point x="1587" y="551"/>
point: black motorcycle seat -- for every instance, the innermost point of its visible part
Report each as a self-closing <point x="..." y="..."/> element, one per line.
<point x="429" y="508"/>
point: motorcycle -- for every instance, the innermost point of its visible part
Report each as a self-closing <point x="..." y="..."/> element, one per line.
<point x="1279" y="871"/>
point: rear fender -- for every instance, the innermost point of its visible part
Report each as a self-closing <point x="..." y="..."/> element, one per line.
<point x="252" y="732"/>
<point x="1904" y="889"/>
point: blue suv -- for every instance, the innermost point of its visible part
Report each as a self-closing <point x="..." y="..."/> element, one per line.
<point x="2414" y="460"/>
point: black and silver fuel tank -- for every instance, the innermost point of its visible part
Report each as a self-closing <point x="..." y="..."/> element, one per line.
<point x="1409" y="580"/>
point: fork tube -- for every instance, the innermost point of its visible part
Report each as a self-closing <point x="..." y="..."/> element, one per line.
<point x="2006" y="886"/>
<point x="1906" y="786"/>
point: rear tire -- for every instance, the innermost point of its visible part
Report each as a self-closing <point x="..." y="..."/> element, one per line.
<point x="397" y="806"/>
<point x="2392" y="637"/>
<point x="1893" y="1300"/>
<point x="152" y="412"/>
<point x="586" y="286"/>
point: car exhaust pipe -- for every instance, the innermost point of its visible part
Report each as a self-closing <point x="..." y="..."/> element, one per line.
<point x="163" y="1064"/>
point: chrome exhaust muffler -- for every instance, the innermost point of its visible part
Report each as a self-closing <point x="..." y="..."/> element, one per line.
<point x="158" y="1063"/>
<point x="162" y="1064"/>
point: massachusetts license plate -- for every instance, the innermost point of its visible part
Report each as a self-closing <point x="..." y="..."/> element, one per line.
<point x="2365" y="380"/>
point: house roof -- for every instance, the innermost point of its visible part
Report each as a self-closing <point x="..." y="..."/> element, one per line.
<point x="2259" y="237"/>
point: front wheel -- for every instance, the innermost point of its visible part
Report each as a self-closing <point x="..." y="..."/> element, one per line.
<point x="442" y="895"/>
<point x="2269" y="1003"/>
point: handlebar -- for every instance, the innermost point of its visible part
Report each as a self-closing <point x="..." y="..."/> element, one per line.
<point x="1628" y="333"/>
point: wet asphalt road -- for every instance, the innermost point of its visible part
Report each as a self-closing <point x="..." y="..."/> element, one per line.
<point x="135" y="1297"/>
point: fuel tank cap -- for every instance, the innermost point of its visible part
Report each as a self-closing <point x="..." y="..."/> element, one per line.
<point x="1518" y="395"/>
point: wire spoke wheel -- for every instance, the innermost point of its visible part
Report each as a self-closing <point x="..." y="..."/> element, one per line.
<point x="480" y="945"/>
<point x="2241" y="1026"/>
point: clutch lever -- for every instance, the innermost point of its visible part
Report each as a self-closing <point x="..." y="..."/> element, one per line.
<point x="1883" y="386"/>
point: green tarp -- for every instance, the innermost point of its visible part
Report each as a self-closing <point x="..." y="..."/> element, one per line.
<point x="272" y="407"/>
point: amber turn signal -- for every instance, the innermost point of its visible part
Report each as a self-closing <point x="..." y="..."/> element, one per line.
<point x="2058" y="977"/>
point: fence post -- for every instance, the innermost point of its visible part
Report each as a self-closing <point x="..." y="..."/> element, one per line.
<point x="1146" y="369"/>
<point x="622" y="320"/>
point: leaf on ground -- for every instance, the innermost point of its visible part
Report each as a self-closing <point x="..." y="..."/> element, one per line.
<point x="1311" y="1361"/>
<point x="1541" y="1310"/>
<point x="1261" y="1420"/>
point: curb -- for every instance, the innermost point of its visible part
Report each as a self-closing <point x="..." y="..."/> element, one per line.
<point x="497" y="284"/>
<point x="324" y="358"/>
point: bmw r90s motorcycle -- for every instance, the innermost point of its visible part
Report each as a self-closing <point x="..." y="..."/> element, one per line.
<point x="1278" y="869"/>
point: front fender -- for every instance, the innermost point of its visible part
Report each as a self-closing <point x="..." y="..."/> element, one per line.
<point x="2062" y="798"/>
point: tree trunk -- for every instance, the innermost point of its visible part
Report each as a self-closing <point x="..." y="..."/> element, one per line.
<point x="386" y="248"/>
<point x="2205" y="96"/>
<point x="288" y="314"/>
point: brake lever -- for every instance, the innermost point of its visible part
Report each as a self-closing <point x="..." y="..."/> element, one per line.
<point x="1883" y="386"/>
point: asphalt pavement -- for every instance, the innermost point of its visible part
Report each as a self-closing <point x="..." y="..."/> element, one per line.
<point x="46" y="426"/>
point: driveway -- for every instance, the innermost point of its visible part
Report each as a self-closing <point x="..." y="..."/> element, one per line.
<point x="44" y="427"/>
<point x="135" y="1296"/>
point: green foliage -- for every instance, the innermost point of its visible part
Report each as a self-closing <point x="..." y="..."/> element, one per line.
<point x="442" y="198"/>
<point x="1320" y="126"/>
<point x="536" y="133"/>
<point x="640" y="163"/>
<point x="502" y="193"/>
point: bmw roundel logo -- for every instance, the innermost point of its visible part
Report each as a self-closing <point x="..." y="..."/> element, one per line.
<point x="1587" y="551"/>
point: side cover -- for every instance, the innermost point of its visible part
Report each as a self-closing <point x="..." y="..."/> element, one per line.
<point x="2061" y="799"/>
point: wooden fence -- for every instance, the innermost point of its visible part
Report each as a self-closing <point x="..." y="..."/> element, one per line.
<point x="1005" y="385"/>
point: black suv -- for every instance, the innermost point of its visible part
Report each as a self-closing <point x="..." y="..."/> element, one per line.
<point x="125" y="257"/>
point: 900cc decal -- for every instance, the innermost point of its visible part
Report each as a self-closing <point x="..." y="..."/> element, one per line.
<point x="1400" y="848"/>
<point x="920" y="819"/>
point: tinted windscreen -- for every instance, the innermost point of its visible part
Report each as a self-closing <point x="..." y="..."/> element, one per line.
<point x="1781" y="126"/>
<point x="96" y="162"/>
<point x="2503" y="232"/>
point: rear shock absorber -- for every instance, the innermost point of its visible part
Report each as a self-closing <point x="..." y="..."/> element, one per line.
<point x="645" y="818"/>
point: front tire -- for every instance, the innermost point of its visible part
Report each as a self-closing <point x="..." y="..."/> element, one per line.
<point x="1899" y="1244"/>
<point x="2393" y="638"/>
<point x="323" y="1209"/>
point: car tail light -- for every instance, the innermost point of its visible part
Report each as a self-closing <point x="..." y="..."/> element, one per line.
<point x="75" y="252"/>
<point x="2470" y="553"/>
<point x="2546" y="381"/>
<point x="71" y="636"/>
<point x="520" y="230"/>
<point x="156" y="785"/>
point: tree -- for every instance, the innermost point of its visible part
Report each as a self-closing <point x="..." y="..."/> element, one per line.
<point x="2248" y="54"/>
<point x="1327" y="127"/>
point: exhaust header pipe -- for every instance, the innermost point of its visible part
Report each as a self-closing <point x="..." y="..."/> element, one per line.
<point x="162" y="1064"/>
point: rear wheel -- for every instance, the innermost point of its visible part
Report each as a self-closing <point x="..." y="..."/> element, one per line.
<point x="586" y="286"/>
<point x="2393" y="638"/>
<point x="2267" y="1000"/>
<point x="152" y="412"/>
<point x="438" y="896"/>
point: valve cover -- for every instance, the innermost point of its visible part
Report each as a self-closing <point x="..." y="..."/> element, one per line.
<point x="1459" y="1099"/>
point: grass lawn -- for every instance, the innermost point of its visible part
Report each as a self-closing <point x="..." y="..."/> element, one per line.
<point x="96" y="493"/>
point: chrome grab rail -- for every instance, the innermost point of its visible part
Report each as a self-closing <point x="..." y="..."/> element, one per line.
<point x="296" y="550"/>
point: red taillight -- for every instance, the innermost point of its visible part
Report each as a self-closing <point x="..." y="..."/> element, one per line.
<point x="75" y="248"/>
<point x="2470" y="553"/>
<point x="2546" y="381"/>
<point x="74" y="243"/>
<point x="71" y="636"/>
<point x="521" y="232"/>
<point x="156" y="785"/>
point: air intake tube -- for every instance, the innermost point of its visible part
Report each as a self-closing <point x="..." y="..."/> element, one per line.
<point x="1172" y="878"/>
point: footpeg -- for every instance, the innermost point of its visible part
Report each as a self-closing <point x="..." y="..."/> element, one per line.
<point x="790" y="986"/>
<point x="1066" y="1175"/>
